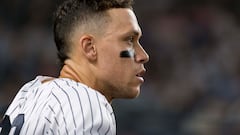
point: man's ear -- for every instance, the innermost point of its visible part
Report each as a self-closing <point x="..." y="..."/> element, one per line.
<point x="88" y="46"/>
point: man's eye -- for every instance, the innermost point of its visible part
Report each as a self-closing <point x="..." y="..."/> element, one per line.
<point x="131" y="39"/>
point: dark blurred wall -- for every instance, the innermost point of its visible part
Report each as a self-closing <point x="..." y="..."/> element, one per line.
<point x="193" y="81"/>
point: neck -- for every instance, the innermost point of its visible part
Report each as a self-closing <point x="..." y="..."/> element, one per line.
<point x="72" y="71"/>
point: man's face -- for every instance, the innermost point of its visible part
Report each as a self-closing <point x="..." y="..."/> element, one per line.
<point x="120" y="77"/>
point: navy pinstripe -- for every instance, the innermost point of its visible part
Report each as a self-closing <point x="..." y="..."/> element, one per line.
<point x="69" y="104"/>
<point x="61" y="111"/>
<point x="90" y="108"/>
<point x="79" y="100"/>
<point x="60" y="107"/>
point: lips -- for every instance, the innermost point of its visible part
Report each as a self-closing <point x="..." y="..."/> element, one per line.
<point x="140" y="75"/>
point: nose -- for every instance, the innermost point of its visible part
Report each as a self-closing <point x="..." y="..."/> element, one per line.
<point x="141" y="55"/>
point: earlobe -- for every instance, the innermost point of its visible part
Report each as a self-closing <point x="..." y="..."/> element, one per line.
<point x="88" y="47"/>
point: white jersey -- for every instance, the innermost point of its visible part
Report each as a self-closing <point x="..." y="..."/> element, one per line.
<point x="58" y="107"/>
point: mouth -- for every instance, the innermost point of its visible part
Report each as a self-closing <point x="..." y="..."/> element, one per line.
<point x="140" y="75"/>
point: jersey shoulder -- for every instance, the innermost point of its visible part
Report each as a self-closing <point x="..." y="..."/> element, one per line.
<point x="61" y="106"/>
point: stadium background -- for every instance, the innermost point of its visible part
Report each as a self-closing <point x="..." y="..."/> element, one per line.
<point x="193" y="80"/>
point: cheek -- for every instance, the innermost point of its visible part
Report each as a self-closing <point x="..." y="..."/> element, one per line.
<point x="122" y="72"/>
<point x="113" y="65"/>
<point x="117" y="69"/>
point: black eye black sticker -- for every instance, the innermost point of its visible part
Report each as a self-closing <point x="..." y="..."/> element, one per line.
<point x="127" y="53"/>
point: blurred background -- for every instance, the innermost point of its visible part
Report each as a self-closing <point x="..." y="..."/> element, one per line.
<point x="193" y="81"/>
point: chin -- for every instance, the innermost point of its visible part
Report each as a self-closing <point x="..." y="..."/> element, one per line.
<point x="133" y="94"/>
<point x="127" y="93"/>
<point x="128" y="96"/>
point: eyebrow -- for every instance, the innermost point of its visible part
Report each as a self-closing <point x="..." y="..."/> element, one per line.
<point x="135" y="33"/>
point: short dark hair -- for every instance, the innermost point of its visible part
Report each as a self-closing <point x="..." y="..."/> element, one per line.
<point x="76" y="12"/>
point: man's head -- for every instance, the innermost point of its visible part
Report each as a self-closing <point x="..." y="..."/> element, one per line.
<point x="86" y="16"/>
<point x="99" y="42"/>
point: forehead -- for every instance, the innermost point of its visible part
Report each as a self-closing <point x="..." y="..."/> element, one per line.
<point x="123" y="20"/>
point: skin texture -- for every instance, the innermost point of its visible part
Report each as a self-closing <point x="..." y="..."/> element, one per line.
<point x="95" y="58"/>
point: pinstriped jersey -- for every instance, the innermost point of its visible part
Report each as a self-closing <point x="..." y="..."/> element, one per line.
<point x="58" y="107"/>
